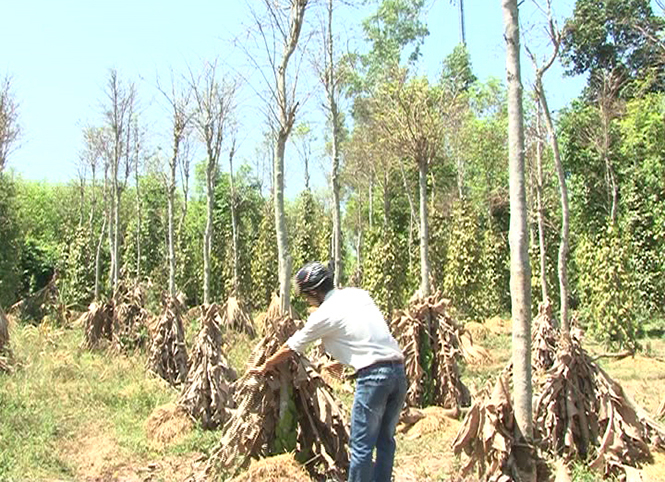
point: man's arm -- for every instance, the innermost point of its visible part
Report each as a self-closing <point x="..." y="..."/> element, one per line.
<point x="278" y="357"/>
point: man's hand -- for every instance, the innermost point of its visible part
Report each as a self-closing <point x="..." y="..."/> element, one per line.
<point x="278" y="357"/>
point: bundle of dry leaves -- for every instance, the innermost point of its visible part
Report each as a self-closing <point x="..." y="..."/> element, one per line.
<point x="262" y="401"/>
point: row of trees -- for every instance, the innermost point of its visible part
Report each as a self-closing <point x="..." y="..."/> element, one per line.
<point x="418" y="195"/>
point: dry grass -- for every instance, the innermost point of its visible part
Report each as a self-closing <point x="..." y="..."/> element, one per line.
<point x="499" y="326"/>
<point x="67" y="414"/>
<point x="281" y="468"/>
<point x="429" y="457"/>
<point x="167" y="425"/>
<point x="641" y="376"/>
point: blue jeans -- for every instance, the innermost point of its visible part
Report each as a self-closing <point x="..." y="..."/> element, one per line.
<point x="380" y="393"/>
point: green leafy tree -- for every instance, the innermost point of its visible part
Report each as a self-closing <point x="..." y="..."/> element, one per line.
<point x="643" y="197"/>
<point x="612" y="35"/>
<point x="10" y="243"/>
<point x="264" y="261"/>
<point x="384" y="271"/>
<point x="461" y="281"/>
<point x="604" y="282"/>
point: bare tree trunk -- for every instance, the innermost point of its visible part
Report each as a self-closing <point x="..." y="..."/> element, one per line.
<point x="287" y="112"/>
<point x="211" y="173"/>
<point x="565" y="210"/>
<point x="138" y="202"/>
<point x="371" y="202"/>
<point x="107" y="216"/>
<point x="214" y="107"/>
<point x="386" y="200"/>
<point x="424" y="230"/>
<point x="337" y="217"/>
<point x="613" y="193"/>
<point x="280" y="226"/>
<point x="462" y="28"/>
<point x="178" y="99"/>
<point x="98" y="252"/>
<point x="335" y="122"/>
<point x="170" y="197"/>
<point x="555" y="37"/>
<point x="116" y="235"/>
<point x="520" y="270"/>
<point x="412" y="212"/>
<point x="118" y="117"/>
<point x="541" y="210"/>
<point x="234" y="221"/>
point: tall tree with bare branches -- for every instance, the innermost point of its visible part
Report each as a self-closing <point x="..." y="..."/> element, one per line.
<point x="178" y="99"/>
<point x="118" y="113"/>
<point x="10" y="130"/>
<point x="409" y="115"/>
<point x="278" y="33"/>
<point x="215" y="104"/>
<point x="330" y="81"/>
<point x="520" y="269"/>
<point x="555" y="37"/>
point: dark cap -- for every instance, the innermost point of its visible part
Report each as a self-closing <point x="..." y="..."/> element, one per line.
<point x="311" y="276"/>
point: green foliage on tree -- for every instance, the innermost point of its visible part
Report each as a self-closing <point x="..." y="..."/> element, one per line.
<point x="462" y="276"/>
<point x="385" y="268"/>
<point x="613" y="35"/>
<point x="10" y="243"/>
<point x="264" y="260"/>
<point x="604" y="277"/>
<point x="643" y="198"/>
<point x="76" y="278"/>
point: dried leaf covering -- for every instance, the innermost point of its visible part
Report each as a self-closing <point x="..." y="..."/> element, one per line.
<point x="661" y="409"/>
<point x="322" y="434"/>
<point x="35" y="307"/>
<point x="486" y="435"/>
<point x="98" y="324"/>
<point x="207" y="394"/>
<point x="168" y="354"/>
<point x="543" y="338"/>
<point x="582" y="413"/>
<point x="430" y="340"/>
<point x="5" y="352"/>
<point x="130" y="319"/>
<point x="274" y="312"/>
<point x="235" y="317"/>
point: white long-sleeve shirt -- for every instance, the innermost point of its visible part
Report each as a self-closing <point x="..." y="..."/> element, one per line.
<point x="352" y="329"/>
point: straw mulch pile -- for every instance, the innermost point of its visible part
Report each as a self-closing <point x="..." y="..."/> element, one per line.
<point x="97" y="323"/>
<point x="274" y="312"/>
<point x="45" y="302"/>
<point x="206" y="394"/>
<point x="167" y="424"/>
<point x="280" y="468"/>
<point x="130" y="319"/>
<point x="486" y="435"/>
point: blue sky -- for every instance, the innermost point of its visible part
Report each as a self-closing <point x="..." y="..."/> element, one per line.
<point x="59" y="54"/>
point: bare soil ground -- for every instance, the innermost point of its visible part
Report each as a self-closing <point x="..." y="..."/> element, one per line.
<point x="87" y="411"/>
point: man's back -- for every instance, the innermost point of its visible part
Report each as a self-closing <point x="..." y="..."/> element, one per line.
<point x="352" y="329"/>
